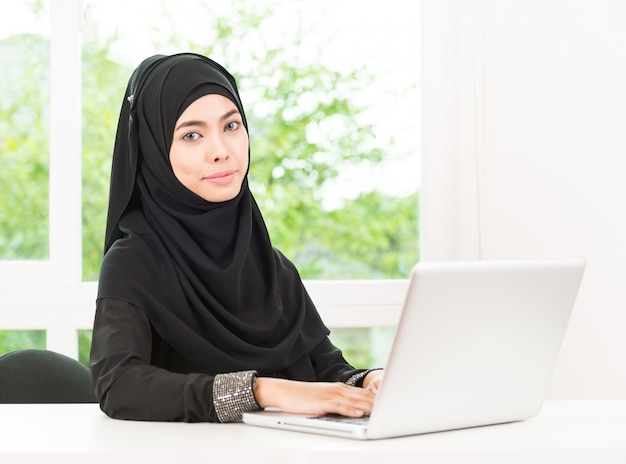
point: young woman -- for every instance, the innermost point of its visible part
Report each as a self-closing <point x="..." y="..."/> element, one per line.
<point x="198" y="317"/>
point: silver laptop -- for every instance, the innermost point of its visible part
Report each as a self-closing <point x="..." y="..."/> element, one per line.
<point x="476" y="344"/>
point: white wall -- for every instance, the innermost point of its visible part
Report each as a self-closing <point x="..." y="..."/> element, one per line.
<point x="524" y="156"/>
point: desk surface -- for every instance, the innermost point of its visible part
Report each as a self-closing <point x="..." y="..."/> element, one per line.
<point x="564" y="431"/>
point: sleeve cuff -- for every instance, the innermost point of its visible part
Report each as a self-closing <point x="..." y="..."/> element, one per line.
<point x="357" y="379"/>
<point x="233" y="395"/>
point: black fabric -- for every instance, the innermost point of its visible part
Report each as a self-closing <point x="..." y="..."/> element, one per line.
<point x="139" y="376"/>
<point x="42" y="376"/>
<point x="206" y="274"/>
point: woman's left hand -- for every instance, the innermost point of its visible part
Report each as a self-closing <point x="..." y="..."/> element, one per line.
<point x="373" y="380"/>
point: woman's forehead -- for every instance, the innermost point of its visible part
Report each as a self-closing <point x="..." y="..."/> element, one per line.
<point x="210" y="106"/>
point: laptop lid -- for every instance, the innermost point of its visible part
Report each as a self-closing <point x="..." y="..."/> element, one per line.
<point x="476" y="344"/>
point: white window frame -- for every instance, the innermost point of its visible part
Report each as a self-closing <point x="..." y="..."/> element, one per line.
<point x="50" y="294"/>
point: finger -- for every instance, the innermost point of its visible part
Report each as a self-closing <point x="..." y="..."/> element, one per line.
<point x="339" y="398"/>
<point x="357" y="404"/>
<point x="347" y="410"/>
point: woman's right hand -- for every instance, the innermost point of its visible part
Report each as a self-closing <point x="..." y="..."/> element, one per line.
<point x="316" y="398"/>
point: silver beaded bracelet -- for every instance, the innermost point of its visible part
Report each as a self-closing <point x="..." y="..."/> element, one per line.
<point x="356" y="378"/>
<point x="233" y="394"/>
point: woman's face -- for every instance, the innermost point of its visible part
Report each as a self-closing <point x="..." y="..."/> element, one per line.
<point x="209" y="152"/>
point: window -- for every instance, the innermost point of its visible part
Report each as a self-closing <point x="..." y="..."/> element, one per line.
<point x="330" y="90"/>
<point x="24" y="132"/>
<point x="25" y="146"/>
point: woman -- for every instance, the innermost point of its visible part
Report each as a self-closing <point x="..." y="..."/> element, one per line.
<point x="198" y="317"/>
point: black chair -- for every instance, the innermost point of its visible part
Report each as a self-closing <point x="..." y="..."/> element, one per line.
<point x="43" y="376"/>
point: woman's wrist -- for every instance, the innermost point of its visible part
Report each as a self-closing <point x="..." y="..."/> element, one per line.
<point x="371" y="376"/>
<point x="265" y="391"/>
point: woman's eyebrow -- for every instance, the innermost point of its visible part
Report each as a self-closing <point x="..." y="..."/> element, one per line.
<point x="228" y="114"/>
<point x="189" y="123"/>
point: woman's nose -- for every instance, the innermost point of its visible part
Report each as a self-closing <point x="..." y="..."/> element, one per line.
<point x="216" y="149"/>
<point x="219" y="156"/>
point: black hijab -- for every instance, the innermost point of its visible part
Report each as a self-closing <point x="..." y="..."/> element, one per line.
<point x="205" y="273"/>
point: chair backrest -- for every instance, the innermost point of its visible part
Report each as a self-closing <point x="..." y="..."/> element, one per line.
<point x="42" y="376"/>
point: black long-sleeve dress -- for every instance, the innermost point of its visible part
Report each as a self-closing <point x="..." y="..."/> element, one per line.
<point x="138" y="376"/>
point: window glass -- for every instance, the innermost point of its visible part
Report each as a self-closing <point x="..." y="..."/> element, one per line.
<point x="24" y="132"/>
<point x="84" y="346"/>
<point x="11" y="340"/>
<point x="364" y="347"/>
<point x="330" y="91"/>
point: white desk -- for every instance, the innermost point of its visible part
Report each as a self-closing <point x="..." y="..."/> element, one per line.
<point x="564" y="432"/>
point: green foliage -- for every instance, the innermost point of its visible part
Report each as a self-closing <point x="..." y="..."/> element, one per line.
<point x="355" y="343"/>
<point x="24" y="148"/>
<point x="104" y="82"/>
<point x="84" y="346"/>
<point x="373" y="236"/>
<point x="11" y="340"/>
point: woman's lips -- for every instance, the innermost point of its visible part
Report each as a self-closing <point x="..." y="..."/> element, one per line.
<point x="222" y="177"/>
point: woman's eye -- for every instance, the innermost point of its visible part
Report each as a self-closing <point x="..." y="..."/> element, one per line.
<point x="231" y="126"/>
<point x="191" y="136"/>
